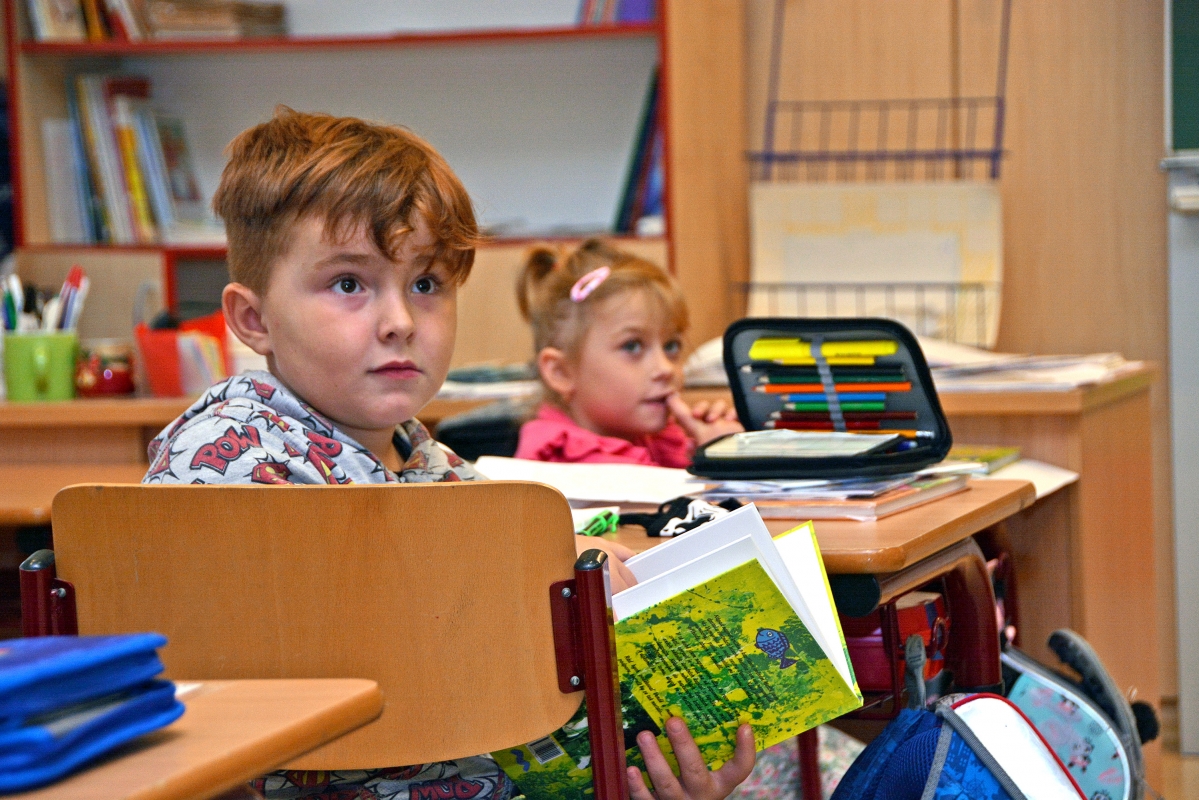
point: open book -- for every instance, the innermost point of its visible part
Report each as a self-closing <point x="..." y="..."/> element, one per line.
<point x="725" y="626"/>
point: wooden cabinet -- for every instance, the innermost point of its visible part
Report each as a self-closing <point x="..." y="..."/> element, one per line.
<point x="539" y="123"/>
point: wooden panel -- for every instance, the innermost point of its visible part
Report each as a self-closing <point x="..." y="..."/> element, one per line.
<point x="404" y="585"/>
<point x="232" y="731"/>
<point x="902" y="539"/>
<point x="490" y="327"/>
<point x="1039" y="538"/>
<point x="26" y="491"/>
<point x="85" y="445"/>
<point x="706" y="167"/>
<point x="1084" y="203"/>
<point x="98" y="411"/>
<point x="115" y="276"/>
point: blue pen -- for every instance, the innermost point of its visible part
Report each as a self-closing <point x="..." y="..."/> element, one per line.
<point x="844" y="397"/>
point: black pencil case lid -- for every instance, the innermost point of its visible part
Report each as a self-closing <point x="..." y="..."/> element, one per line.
<point x="916" y="409"/>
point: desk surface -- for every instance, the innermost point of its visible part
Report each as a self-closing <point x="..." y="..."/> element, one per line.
<point x="28" y="490"/>
<point x="902" y="539"/>
<point x="231" y="732"/>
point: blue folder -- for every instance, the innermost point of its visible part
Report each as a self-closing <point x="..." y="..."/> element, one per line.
<point x="65" y="700"/>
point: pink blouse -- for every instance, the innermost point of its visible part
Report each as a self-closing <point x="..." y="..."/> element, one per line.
<point x="553" y="436"/>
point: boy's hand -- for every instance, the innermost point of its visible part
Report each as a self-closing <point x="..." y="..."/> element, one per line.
<point x="695" y="780"/>
<point x="704" y="421"/>
<point x="620" y="575"/>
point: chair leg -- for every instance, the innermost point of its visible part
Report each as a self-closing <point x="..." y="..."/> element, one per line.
<point x="47" y="604"/>
<point x="600" y="676"/>
<point x="809" y="765"/>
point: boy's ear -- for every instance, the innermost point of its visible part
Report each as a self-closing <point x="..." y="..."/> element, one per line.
<point x="556" y="372"/>
<point x="243" y="314"/>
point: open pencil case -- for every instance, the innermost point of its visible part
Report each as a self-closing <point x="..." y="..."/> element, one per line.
<point x="862" y="381"/>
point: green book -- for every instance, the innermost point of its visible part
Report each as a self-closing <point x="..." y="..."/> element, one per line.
<point x="725" y="626"/>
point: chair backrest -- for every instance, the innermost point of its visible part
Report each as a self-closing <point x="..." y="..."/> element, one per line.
<point x="439" y="592"/>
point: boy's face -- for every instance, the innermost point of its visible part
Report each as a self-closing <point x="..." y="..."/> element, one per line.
<point x="362" y="339"/>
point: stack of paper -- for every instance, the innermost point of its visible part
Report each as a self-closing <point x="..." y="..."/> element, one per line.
<point x="958" y="368"/>
<point x="589" y="484"/>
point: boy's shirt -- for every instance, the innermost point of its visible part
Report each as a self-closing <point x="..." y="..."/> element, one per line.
<point x="250" y="429"/>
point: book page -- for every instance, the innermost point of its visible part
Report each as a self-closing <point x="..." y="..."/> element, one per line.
<point x="697" y="542"/>
<point x="801" y="556"/>
<point x="683" y="578"/>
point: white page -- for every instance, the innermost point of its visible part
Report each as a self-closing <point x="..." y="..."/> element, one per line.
<point x="596" y="483"/>
<point x="682" y="578"/>
<point x="796" y="568"/>
<point x="798" y="551"/>
<point x="1045" y="478"/>
<point x="695" y="543"/>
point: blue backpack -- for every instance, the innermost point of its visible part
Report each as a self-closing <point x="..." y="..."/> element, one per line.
<point x="970" y="747"/>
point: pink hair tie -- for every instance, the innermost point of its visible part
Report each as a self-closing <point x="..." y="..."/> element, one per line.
<point x="588" y="283"/>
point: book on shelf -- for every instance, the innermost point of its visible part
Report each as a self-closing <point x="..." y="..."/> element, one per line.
<point x="64" y="194"/>
<point x="610" y="12"/>
<point x="214" y="19"/>
<point x="725" y="626"/>
<point x="132" y="169"/>
<point x="641" y="195"/>
<point x="57" y="20"/>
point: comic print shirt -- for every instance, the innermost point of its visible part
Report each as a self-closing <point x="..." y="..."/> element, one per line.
<point x="250" y="429"/>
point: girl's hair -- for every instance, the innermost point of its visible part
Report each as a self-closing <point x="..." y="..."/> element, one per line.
<point x="543" y="291"/>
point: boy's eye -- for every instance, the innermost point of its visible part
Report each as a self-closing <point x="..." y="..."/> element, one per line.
<point x="673" y="347"/>
<point x="347" y="285"/>
<point x="426" y="284"/>
<point x="632" y="346"/>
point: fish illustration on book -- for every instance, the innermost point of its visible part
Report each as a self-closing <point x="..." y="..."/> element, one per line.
<point x="774" y="644"/>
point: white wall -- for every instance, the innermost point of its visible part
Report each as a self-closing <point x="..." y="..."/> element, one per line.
<point x="541" y="133"/>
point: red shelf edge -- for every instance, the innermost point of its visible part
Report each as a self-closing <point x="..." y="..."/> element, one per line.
<point x="266" y="44"/>
<point x="218" y="251"/>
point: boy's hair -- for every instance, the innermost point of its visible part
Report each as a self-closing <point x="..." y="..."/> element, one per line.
<point x="543" y="291"/>
<point x="346" y="171"/>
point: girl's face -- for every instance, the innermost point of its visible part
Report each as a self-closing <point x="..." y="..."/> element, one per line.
<point x="628" y="364"/>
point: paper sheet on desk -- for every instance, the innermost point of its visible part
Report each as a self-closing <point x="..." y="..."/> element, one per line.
<point x="623" y="484"/>
<point x="1045" y="478"/>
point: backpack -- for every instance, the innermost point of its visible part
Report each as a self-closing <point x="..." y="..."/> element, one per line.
<point x="1089" y="724"/>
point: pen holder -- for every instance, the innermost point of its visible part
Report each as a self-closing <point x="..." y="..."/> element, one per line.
<point x="40" y="366"/>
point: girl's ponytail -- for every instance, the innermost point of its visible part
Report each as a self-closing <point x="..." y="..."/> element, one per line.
<point x="540" y="262"/>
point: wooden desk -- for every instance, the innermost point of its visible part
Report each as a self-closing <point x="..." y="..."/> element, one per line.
<point x="93" y="431"/>
<point x="1084" y="556"/>
<point x="231" y="732"/>
<point x="108" y="431"/>
<point x="26" y="491"/>
<point x="900" y="540"/>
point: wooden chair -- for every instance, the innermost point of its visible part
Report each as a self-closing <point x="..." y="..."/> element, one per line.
<point x="464" y="602"/>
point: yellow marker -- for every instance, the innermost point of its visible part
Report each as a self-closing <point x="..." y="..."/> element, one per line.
<point x="796" y="351"/>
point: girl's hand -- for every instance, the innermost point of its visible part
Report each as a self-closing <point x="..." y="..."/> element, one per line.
<point x="704" y="421"/>
<point x="695" y="780"/>
<point x="620" y="576"/>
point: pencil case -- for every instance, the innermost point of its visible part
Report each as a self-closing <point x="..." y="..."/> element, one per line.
<point x="862" y="381"/>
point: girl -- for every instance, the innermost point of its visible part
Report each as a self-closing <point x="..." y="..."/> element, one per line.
<point x="607" y="328"/>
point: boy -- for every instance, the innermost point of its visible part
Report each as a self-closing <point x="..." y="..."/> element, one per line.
<point x="347" y="243"/>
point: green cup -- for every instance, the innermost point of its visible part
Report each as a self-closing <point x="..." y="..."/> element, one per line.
<point x="40" y="366"/>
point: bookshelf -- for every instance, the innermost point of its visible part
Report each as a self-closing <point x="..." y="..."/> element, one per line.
<point x="538" y="121"/>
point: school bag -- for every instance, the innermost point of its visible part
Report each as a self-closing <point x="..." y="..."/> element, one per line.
<point x="1089" y="724"/>
<point x="970" y="747"/>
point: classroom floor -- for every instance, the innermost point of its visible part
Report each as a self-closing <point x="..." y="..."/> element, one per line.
<point x="1180" y="776"/>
